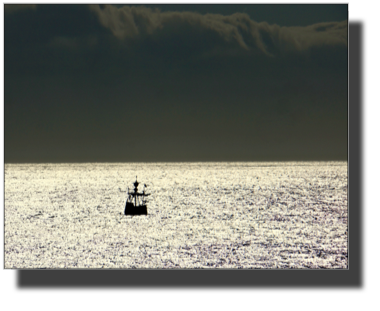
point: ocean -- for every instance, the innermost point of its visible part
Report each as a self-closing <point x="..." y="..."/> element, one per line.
<point x="214" y="215"/>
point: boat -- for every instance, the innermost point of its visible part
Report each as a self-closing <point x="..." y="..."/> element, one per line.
<point x="136" y="202"/>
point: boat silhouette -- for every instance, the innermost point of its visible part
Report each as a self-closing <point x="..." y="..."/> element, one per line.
<point x="136" y="202"/>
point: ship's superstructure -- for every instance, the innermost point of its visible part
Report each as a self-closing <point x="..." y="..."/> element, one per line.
<point x="136" y="201"/>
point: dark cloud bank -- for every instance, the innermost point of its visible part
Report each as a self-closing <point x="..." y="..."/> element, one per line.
<point x="102" y="83"/>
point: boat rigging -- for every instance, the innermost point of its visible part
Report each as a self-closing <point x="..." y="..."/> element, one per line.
<point x="136" y="203"/>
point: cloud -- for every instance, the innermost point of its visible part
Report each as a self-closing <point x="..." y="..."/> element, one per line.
<point x="236" y="30"/>
<point x="205" y="77"/>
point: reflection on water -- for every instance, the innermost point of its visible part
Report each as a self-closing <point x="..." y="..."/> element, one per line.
<point x="200" y="215"/>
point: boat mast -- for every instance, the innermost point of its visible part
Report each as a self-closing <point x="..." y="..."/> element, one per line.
<point x="136" y="184"/>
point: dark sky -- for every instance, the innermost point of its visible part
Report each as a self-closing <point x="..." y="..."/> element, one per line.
<point x="90" y="83"/>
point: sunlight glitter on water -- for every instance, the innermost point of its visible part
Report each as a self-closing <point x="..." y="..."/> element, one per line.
<point x="200" y="215"/>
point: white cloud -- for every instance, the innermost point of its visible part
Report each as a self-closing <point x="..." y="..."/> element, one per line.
<point x="237" y="29"/>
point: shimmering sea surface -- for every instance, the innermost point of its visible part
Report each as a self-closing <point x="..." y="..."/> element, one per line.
<point x="275" y="215"/>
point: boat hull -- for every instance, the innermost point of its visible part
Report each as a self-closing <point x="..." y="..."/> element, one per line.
<point x="130" y="209"/>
